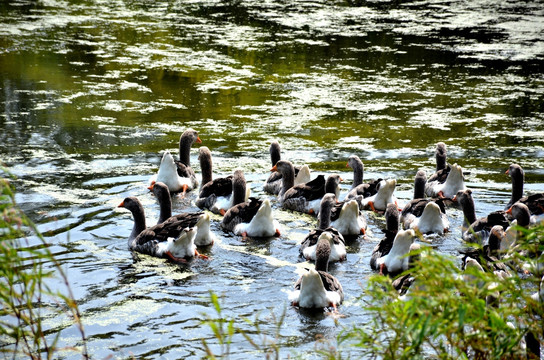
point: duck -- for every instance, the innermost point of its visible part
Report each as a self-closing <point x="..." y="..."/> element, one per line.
<point x="220" y="194"/>
<point x="384" y="196"/>
<point x="309" y="243"/>
<point x="317" y="288"/>
<point x="391" y="229"/>
<point x="477" y="230"/>
<point x="302" y="197"/>
<point x="252" y="218"/>
<point x="427" y="216"/>
<point x="161" y="240"/>
<point x="396" y="260"/>
<point x="447" y="189"/>
<point x="534" y="202"/>
<point x="358" y="188"/>
<point x="273" y="183"/>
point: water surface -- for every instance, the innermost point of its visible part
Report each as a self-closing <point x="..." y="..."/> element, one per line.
<point x="94" y="91"/>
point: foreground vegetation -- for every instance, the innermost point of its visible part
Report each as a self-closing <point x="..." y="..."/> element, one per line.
<point x="447" y="313"/>
<point x="26" y="299"/>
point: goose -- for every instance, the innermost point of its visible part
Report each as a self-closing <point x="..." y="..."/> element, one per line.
<point x="391" y="229"/>
<point x="419" y="184"/>
<point x="161" y="240"/>
<point x="186" y="140"/>
<point x="384" y="196"/>
<point x="358" y="188"/>
<point x="425" y="215"/>
<point x="348" y="219"/>
<point x="403" y="283"/>
<point x="273" y="183"/>
<point x="317" y="288"/>
<point x="516" y="175"/>
<point x="302" y="197"/>
<point x="534" y="202"/>
<point x="201" y="220"/>
<point x="178" y="175"/>
<point x="442" y="167"/>
<point x="488" y="256"/>
<point x="220" y="194"/>
<point x="252" y="218"/>
<point x="477" y="230"/>
<point x="447" y="189"/>
<point x="309" y="243"/>
<point x="419" y="213"/>
<point x="168" y="174"/>
<point x="396" y="260"/>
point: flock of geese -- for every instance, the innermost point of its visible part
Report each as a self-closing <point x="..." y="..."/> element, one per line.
<point x="177" y="237"/>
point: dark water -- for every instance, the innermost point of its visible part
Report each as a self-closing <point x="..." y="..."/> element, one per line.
<point x="93" y="91"/>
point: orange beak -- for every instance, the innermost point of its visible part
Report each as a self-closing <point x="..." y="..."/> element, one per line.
<point x="454" y="199"/>
<point x="509" y="211"/>
<point x="274" y="168"/>
<point x="347" y="164"/>
<point x="122" y="204"/>
<point x="198" y="140"/>
<point x="507" y="171"/>
<point x="150" y="187"/>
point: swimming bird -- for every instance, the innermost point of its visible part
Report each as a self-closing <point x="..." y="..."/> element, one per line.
<point x="516" y="175"/>
<point x="477" y="230"/>
<point x="302" y="197"/>
<point x="425" y="215"/>
<point x="220" y="194"/>
<point x="186" y="140"/>
<point x="348" y="219"/>
<point x="442" y="167"/>
<point x="453" y="183"/>
<point x="168" y="174"/>
<point x="391" y="229"/>
<point x="317" y="288"/>
<point x="309" y="243"/>
<point x="358" y="188"/>
<point x="161" y="240"/>
<point x="396" y="260"/>
<point x="274" y="182"/>
<point x="419" y="214"/>
<point x="384" y="196"/>
<point x="488" y="256"/>
<point x="251" y="218"/>
<point x="201" y="220"/>
<point x="403" y="283"/>
<point x="534" y="202"/>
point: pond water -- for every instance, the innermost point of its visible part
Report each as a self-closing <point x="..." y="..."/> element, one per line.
<point x="94" y="91"/>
